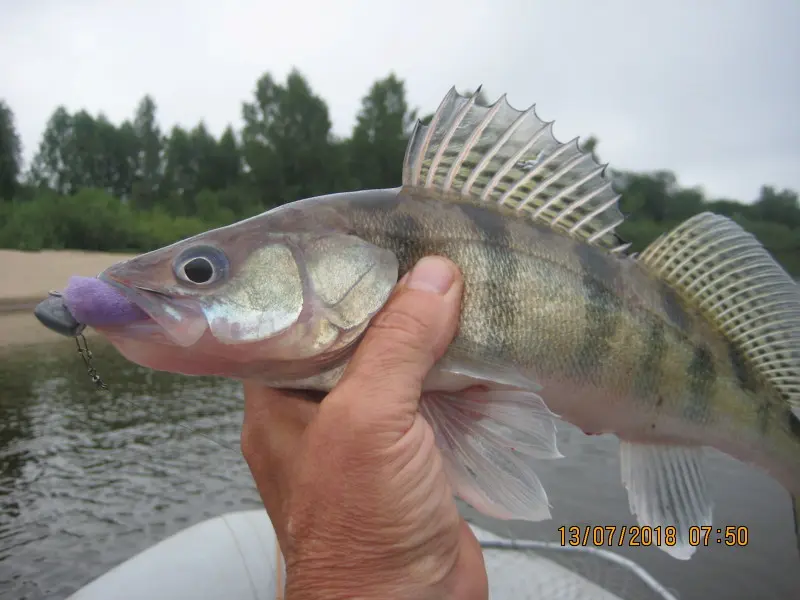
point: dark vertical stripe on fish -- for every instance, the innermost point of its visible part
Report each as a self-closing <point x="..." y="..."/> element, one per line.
<point x="648" y="372"/>
<point x="673" y="307"/>
<point x="794" y="425"/>
<point x="764" y="414"/>
<point x="744" y="375"/>
<point x="603" y="308"/>
<point x="503" y="272"/>
<point x="702" y="377"/>
<point x="746" y="380"/>
<point x="406" y="235"/>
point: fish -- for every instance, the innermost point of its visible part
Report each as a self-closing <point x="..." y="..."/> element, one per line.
<point x="692" y="344"/>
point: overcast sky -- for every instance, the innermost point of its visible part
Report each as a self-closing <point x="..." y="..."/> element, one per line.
<point x="709" y="89"/>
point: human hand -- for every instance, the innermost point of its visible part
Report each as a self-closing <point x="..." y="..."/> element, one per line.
<point x="354" y="485"/>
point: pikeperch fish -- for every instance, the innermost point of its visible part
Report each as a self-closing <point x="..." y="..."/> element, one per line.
<point x="693" y="343"/>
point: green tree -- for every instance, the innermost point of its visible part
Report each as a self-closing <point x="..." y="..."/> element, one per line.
<point x="380" y="136"/>
<point x="590" y="145"/>
<point x="80" y="151"/>
<point x="180" y="182"/>
<point x="287" y="141"/>
<point x="49" y="168"/>
<point x="10" y="153"/>
<point x="228" y="160"/>
<point x="196" y="161"/>
<point x="684" y="203"/>
<point x="215" y="168"/>
<point x="204" y="149"/>
<point x="649" y="194"/>
<point x="149" y="154"/>
<point x="778" y="207"/>
<point x="730" y="208"/>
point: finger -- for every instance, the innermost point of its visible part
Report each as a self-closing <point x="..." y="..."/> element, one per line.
<point x="405" y="339"/>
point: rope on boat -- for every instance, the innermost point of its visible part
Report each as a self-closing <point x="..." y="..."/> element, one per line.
<point x="627" y="563"/>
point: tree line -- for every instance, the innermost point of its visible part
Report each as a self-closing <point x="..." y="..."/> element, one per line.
<point x="97" y="185"/>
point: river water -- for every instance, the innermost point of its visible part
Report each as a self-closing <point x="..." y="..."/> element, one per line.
<point x="89" y="479"/>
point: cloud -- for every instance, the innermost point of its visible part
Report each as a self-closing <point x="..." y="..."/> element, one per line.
<point x="709" y="90"/>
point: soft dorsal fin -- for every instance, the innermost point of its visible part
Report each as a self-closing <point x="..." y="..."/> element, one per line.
<point x="736" y="283"/>
<point x="500" y="154"/>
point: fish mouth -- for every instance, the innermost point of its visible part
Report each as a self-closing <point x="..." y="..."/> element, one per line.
<point x="182" y="319"/>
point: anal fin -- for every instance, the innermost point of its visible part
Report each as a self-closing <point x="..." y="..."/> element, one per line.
<point x="667" y="487"/>
<point x="488" y="440"/>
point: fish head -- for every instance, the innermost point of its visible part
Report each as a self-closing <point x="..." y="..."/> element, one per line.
<point x="261" y="298"/>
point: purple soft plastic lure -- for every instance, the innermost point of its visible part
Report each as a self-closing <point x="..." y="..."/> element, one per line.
<point x="96" y="303"/>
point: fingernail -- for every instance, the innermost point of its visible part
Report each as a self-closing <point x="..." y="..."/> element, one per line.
<point x="431" y="274"/>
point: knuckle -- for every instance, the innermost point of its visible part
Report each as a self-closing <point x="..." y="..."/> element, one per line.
<point x="404" y="326"/>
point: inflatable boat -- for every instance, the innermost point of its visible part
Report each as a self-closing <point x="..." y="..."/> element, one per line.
<point x="235" y="556"/>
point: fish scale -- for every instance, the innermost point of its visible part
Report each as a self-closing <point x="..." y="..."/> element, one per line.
<point x="694" y="343"/>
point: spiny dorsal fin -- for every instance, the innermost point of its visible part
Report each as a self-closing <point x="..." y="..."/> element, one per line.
<point x="500" y="154"/>
<point x="732" y="279"/>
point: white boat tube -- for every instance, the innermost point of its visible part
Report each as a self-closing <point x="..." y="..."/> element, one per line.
<point x="234" y="556"/>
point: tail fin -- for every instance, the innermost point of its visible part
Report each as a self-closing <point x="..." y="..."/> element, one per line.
<point x="723" y="272"/>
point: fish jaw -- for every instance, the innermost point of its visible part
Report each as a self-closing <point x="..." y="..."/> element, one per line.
<point x="176" y="337"/>
<point x="271" y="361"/>
<point x="181" y="319"/>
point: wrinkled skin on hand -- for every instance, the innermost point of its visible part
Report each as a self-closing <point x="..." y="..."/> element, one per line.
<point x="354" y="485"/>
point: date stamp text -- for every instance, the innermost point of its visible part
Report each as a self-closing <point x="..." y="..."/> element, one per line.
<point x="644" y="535"/>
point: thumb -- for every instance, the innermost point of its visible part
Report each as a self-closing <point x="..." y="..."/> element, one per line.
<point x="404" y="341"/>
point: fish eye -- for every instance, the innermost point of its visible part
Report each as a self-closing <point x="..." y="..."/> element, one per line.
<point x="201" y="265"/>
<point x="198" y="270"/>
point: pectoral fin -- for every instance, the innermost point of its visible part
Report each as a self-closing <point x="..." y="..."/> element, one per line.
<point x="489" y="440"/>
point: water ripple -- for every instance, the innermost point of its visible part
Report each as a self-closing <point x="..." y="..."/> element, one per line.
<point x="87" y="480"/>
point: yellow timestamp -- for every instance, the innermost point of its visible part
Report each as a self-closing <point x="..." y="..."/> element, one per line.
<point x="706" y="535"/>
<point x="644" y="535"/>
<point x="622" y="535"/>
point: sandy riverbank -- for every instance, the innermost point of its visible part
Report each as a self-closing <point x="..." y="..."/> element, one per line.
<point x="28" y="276"/>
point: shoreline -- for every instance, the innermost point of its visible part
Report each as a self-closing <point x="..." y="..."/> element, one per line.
<point x="29" y="278"/>
<point x="15" y="305"/>
<point x="21" y="328"/>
